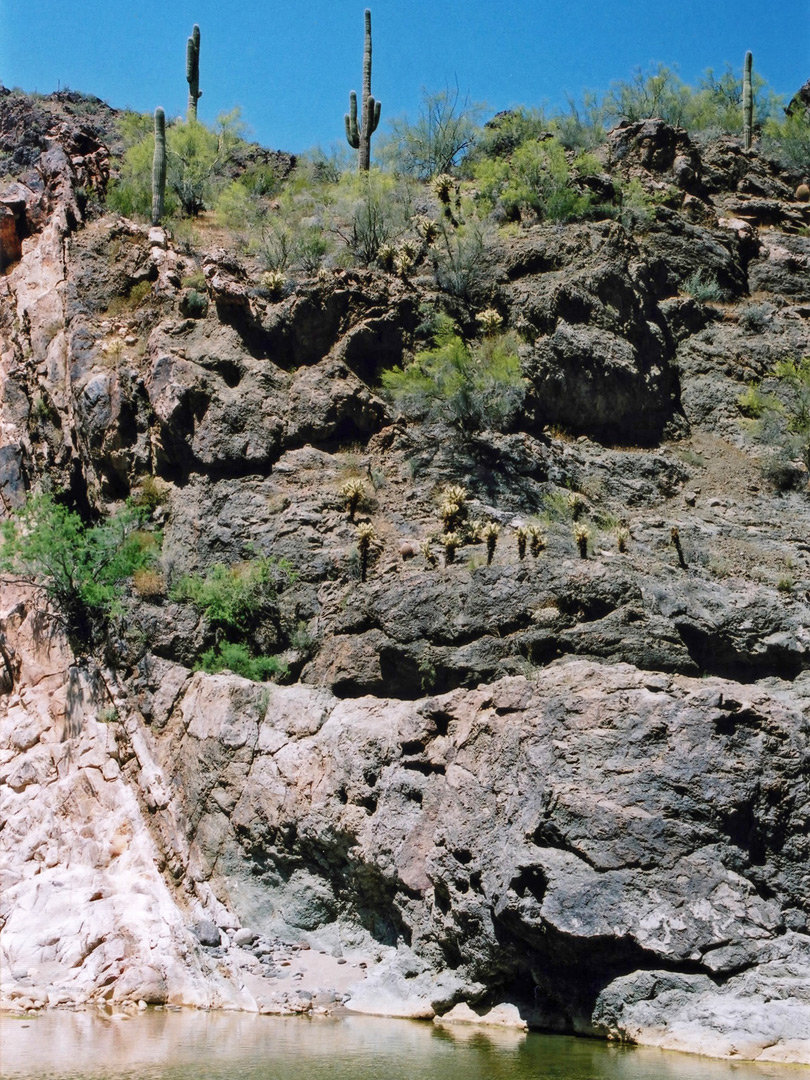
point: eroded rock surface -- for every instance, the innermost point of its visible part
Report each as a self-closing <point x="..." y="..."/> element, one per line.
<point x="538" y="788"/>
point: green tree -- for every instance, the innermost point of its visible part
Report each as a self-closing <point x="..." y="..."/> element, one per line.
<point x="80" y="571"/>
<point x="444" y="132"/>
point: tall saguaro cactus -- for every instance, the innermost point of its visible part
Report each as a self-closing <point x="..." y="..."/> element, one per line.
<point x="748" y="101"/>
<point x="359" y="136"/>
<point x="159" y="167"/>
<point x="193" y="72"/>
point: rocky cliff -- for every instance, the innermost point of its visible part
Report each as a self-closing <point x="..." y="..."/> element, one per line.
<point x="577" y="786"/>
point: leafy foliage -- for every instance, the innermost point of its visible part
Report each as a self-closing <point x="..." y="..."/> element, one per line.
<point x="198" y="160"/>
<point x="81" y="571"/>
<point x="236" y="657"/>
<point x="235" y="601"/>
<point x="537" y="177"/>
<point x="470" y="387"/>
<point x="232" y="598"/>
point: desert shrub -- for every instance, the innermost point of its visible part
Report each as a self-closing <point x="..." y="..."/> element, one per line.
<point x="581" y="127"/>
<point x="235" y="657"/>
<point x="437" y="141"/>
<point x="756" y="317"/>
<point x="470" y="387"/>
<point x="370" y="210"/>
<point x="198" y="159"/>
<point x="788" y="140"/>
<point x="460" y="261"/>
<point x="194" y="304"/>
<point x="657" y="92"/>
<point x="506" y="131"/>
<point x="780" y="418"/>
<point x="536" y="178"/>
<point x="233" y="598"/>
<point x="80" y="571"/>
<point x="702" y="288"/>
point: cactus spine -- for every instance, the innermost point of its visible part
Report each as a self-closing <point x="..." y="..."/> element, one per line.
<point x="193" y="73"/>
<point x="159" y="166"/>
<point x="359" y="136"/>
<point x="748" y="101"/>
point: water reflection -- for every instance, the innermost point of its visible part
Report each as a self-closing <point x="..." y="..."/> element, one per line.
<point x="238" y="1046"/>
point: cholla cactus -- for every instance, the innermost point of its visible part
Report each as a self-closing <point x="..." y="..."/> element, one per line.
<point x="274" y="281"/>
<point x="359" y="136"/>
<point x="452" y="509"/>
<point x="159" y="167"/>
<point x="450" y="513"/>
<point x="582" y="535"/>
<point x="404" y="260"/>
<point x="365" y="538"/>
<point x="426" y="228"/>
<point x="450" y="541"/>
<point x="521" y="535"/>
<point x="489" y="534"/>
<point x="675" y="537"/>
<point x="489" y="320"/>
<point x="353" y="492"/>
<point x="386" y="256"/>
<point x="537" y="540"/>
<point x="443" y="188"/>
<point x="193" y="73"/>
<point x="428" y="553"/>
<point x="455" y="493"/>
<point x="576" y="505"/>
<point x="622" y="538"/>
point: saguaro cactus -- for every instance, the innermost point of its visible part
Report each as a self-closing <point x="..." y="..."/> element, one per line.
<point x="359" y="136"/>
<point x="159" y="166"/>
<point x="748" y="101"/>
<point x="193" y="72"/>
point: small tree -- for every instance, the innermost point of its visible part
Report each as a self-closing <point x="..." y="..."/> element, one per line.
<point x="79" y="571"/>
<point x="444" y="132"/>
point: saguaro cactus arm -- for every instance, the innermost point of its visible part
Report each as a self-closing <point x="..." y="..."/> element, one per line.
<point x="352" y="134"/>
<point x="748" y="101"/>
<point x="193" y="72"/>
<point x="159" y="166"/>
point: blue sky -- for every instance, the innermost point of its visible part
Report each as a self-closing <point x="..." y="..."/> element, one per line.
<point x="290" y="66"/>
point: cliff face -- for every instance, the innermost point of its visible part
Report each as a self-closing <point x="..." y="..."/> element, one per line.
<point x="574" y="785"/>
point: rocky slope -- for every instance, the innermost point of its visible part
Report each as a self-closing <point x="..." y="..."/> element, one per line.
<point x="574" y="786"/>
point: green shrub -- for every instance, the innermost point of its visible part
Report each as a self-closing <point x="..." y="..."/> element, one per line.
<point x="470" y="387"/>
<point x="232" y="656"/>
<point x="781" y="419"/>
<point x="80" y="571"/>
<point x="788" y="140"/>
<point x="460" y="261"/>
<point x="702" y="288"/>
<point x="198" y="162"/>
<point x="370" y="210"/>
<point x="536" y="178"/>
<point x="233" y="598"/>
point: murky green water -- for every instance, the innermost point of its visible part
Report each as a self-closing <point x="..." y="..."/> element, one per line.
<point x="208" y="1046"/>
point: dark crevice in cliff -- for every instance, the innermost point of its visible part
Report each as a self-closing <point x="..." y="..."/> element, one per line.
<point x="717" y="656"/>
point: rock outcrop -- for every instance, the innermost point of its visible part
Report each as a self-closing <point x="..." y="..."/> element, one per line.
<point x="541" y="788"/>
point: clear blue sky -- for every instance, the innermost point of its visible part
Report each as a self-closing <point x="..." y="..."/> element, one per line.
<point x="290" y="66"/>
